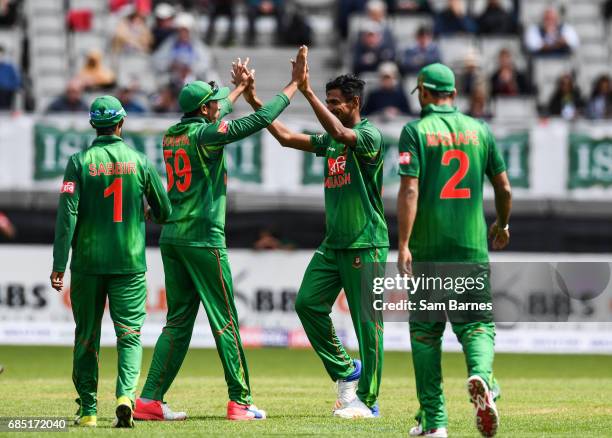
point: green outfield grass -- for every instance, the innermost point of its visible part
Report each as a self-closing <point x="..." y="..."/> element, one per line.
<point x="542" y="395"/>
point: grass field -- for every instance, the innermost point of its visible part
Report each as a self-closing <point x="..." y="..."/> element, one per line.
<point x="542" y="395"/>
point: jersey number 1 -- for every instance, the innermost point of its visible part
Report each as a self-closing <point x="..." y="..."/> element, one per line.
<point x="116" y="191"/>
<point x="450" y="190"/>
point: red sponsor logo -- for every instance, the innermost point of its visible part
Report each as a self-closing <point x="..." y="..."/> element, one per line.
<point x="337" y="166"/>
<point x="405" y="158"/>
<point x="223" y="126"/>
<point x="67" y="187"/>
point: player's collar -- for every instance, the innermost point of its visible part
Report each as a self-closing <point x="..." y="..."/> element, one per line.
<point x="107" y="139"/>
<point x="431" y="108"/>
<point x="194" y="120"/>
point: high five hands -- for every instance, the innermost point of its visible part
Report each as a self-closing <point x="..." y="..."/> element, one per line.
<point x="241" y="75"/>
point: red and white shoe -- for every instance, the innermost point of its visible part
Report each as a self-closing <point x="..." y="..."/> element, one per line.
<point x="487" y="418"/>
<point x="440" y="432"/>
<point x="236" y="411"/>
<point x="155" y="410"/>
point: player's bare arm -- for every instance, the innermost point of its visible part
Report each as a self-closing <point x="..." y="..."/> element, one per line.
<point x="406" y="213"/>
<point x="282" y="133"/>
<point x="328" y="120"/>
<point x="499" y="232"/>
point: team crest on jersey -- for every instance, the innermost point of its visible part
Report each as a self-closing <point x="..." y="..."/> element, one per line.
<point x="223" y="127"/>
<point x="405" y="158"/>
<point x="67" y="187"/>
<point x="357" y="262"/>
<point x="336" y="166"/>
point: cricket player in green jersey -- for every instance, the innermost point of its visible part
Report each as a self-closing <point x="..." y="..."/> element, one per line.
<point x="355" y="245"/>
<point x="101" y="215"/>
<point x="444" y="157"/>
<point x="192" y="242"/>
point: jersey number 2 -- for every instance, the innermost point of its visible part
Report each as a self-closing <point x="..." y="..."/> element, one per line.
<point x="116" y="191"/>
<point x="183" y="172"/>
<point x="450" y="190"/>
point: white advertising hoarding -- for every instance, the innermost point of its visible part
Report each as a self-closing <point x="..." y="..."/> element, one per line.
<point x="265" y="286"/>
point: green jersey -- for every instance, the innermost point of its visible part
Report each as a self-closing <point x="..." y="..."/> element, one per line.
<point x="101" y="209"/>
<point x="450" y="153"/>
<point x="353" y="177"/>
<point x="197" y="177"/>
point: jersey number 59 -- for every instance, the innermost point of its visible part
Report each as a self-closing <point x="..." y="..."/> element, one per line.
<point x="182" y="169"/>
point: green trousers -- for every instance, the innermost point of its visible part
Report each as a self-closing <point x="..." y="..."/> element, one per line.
<point x="194" y="275"/>
<point x="126" y="297"/>
<point x="474" y="329"/>
<point x="330" y="271"/>
<point x="477" y="340"/>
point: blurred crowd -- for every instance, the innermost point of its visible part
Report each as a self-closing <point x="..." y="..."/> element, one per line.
<point x="170" y="37"/>
<point x="375" y="49"/>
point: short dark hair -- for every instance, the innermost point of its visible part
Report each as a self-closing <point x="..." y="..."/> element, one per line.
<point x="349" y="85"/>
<point x="424" y="30"/>
<point x="107" y="130"/>
<point x="196" y="112"/>
<point x="440" y="94"/>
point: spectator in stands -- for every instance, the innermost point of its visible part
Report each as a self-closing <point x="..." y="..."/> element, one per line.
<point x="551" y="37"/>
<point x="132" y="34"/>
<point x="345" y="9"/>
<point x="566" y="100"/>
<point x="7" y="229"/>
<point x="600" y="103"/>
<point x="8" y="12"/>
<point x="164" y="24"/>
<point x="181" y="74"/>
<point x="370" y="50"/>
<point x="183" y="47"/>
<point x="479" y="103"/>
<point x="10" y="81"/>
<point x="165" y="100"/>
<point x="454" y="20"/>
<point x="258" y="8"/>
<point x="127" y="96"/>
<point x="495" y="20"/>
<point x="95" y="75"/>
<point x="471" y="73"/>
<point x="219" y="8"/>
<point x="376" y="11"/>
<point x="409" y="6"/>
<point x="507" y="79"/>
<point x="425" y="52"/>
<point x="71" y="101"/>
<point x="301" y="29"/>
<point x="389" y="99"/>
<point x="269" y="240"/>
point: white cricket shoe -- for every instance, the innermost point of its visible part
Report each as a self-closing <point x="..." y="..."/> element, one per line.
<point x="347" y="388"/>
<point x="487" y="418"/>
<point x="417" y="430"/>
<point x="357" y="409"/>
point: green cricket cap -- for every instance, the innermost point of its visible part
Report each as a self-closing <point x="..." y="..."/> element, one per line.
<point x="437" y="77"/>
<point x="197" y="93"/>
<point x="106" y="111"/>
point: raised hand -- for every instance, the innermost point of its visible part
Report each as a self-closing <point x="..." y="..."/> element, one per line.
<point x="299" y="71"/>
<point x="240" y="73"/>
<point x="249" y="93"/>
